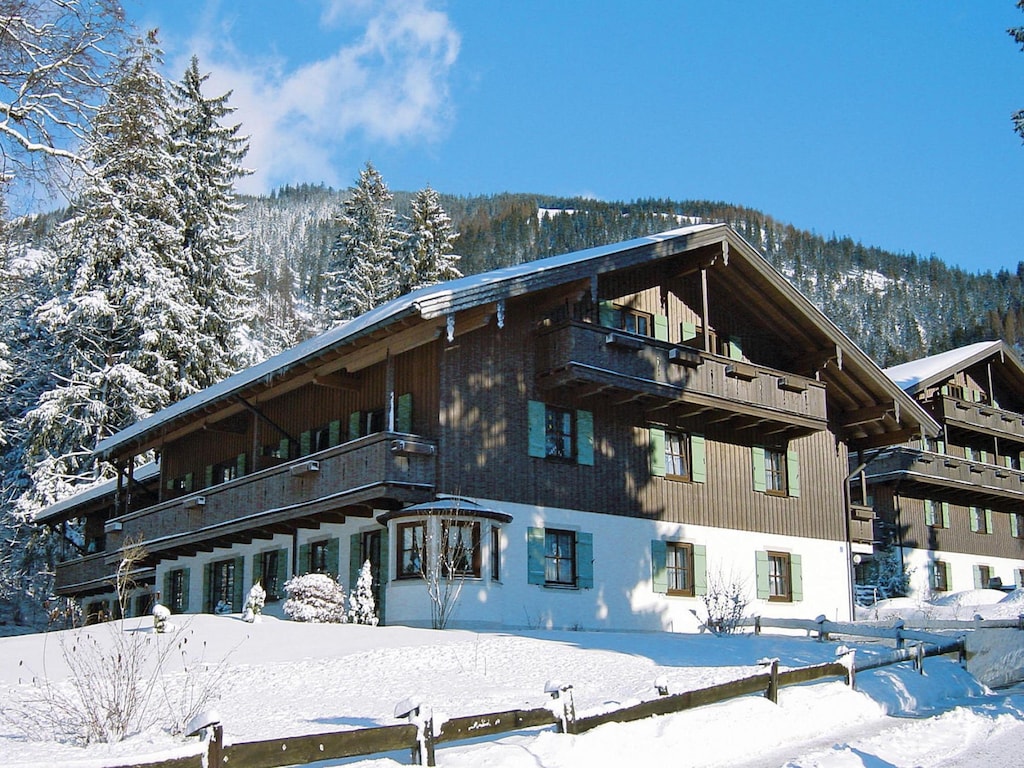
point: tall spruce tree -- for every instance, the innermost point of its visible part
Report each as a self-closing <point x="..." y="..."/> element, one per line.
<point x="364" y="268"/>
<point x="121" y="316"/>
<point x="208" y="156"/>
<point x="430" y="256"/>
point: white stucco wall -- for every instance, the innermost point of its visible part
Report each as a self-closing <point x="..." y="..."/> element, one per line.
<point x="961" y="570"/>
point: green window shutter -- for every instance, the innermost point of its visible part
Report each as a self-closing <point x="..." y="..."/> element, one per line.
<point x="969" y="453"/>
<point x="355" y="560"/>
<point x="929" y="512"/>
<point x="403" y="418"/>
<point x="208" y="476"/>
<point x="940" y="446"/>
<point x="185" y="582"/>
<point x="535" y="555"/>
<point x="334" y="556"/>
<point x="945" y="514"/>
<point x="284" y="449"/>
<point x="988" y="521"/>
<point x="975" y="519"/>
<point x="688" y="332"/>
<point x="1007" y="462"/>
<point x="257" y="568"/>
<point x="949" y="576"/>
<point x="306" y="443"/>
<point x="188" y="481"/>
<point x="239" y="596"/>
<point x="700" y="570"/>
<point x="698" y="457"/>
<point x="536" y="412"/>
<point x="977" y="576"/>
<point x="165" y="596"/>
<point x="1018" y="577"/>
<point x="984" y="457"/>
<point x="1014" y="525"/>
<point x="169" y="485"/>
<point x="585" y="560"/>
<point x="793" y="472"/>
<point x="334" y="435"/>
<point x="757" y="460"/>
<point x="761" y="570"/>
<point x="382" y="592"/>
<point x="659" y="572"/>
<point x="282" y="570"/>
<point x="656" y="442"/>
<point x="354" y="422"/>
<point x="796" y="574"/>
<point x="735" y="348"/>
<point x="585" y="438"/>
<point x="240" y="464"/>
<point x="661" y="327"/>
<point x="606" y="314"/>
<point x="208" y="587"/>
<point x="303" y="565"/>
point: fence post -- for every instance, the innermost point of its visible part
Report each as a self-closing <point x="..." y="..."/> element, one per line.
<point x="822" y="634"/>
<point x="847" y="657"/>
<point x="919" y="658"/>
<point x="772" y="693"/>
<point x="757" y="624"/>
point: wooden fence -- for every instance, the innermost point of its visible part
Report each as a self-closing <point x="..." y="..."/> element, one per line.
<point x="420" y="738"/>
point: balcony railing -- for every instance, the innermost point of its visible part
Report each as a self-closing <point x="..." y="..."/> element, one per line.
<point x="979" y="417"/>
<point x="84" y="574"/>
<point x="948" y="477"/>
<point x="383" y="469"/>
<point x="862" y="525"/>
<point x="592" y="359"/>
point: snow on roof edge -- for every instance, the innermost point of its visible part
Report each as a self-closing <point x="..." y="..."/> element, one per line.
<point x="145" y="472"/>
<point x="911" y="374"/>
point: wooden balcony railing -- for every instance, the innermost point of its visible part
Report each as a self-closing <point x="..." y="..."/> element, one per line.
<point x="84" y="574"/>
<point x="979" y="417"/>
<point x="591" y="359"/>
<point x="862" y="520"/>
<point x="380" y="470"/>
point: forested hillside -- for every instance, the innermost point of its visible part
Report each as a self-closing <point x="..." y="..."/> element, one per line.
<point x="895" y="306"/>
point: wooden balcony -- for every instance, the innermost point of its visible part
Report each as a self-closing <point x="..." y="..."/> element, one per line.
<point x="948" y="478"/>
<point x="591" y="360"/>
<point x="862" y="528"/>
<point x="379" y="471"/>
<point x="977" y="417"/>
<point x="84" y="575"/>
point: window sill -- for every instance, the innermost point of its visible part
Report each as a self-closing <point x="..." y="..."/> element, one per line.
<point x="679" y="478"/>
<point x="552" y="585"/>
<point x="680" y="593"/>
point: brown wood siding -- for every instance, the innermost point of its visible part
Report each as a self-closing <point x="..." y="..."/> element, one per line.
<point x="487" y="380"/>
<point x="958" y="537"/>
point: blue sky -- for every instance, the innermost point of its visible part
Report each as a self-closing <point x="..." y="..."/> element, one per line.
<point x="888" y="122"/>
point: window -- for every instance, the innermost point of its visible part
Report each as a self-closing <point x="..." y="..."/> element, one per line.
<point x="1018" y="576"/>
<point x="779" y="578"/>
<point x="411" y="549"/>
<point x="982" y="576"/>
<point x="318" y="557"/>
<point x="144" y="604"/>
<point x="495" y="553"/>
<point x="939" y="576"/>
<point x="677" y="455"/>
<point x="936" y="514"/>
<point x="776" y="471"/>
<point x="222" y="591"/>
<point x="679" y="568"/>
<point x="177" y="592"/>
<point x="460" y="548"/>
<point x="559" y="557"/>
<point x="558" y="433"/>
<point x="1017" y="525"/>
<point x="634" y="321"/>
<point x="981" y="520"/>
<point x="269" y="573"/>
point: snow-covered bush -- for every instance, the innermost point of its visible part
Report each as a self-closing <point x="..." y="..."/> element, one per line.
<point x="254" y="602"/>
<point x="362" y="608"/>
<point x="161" y="613"/>
<point x="315" y="597"/>
<point x="725" y="602"/>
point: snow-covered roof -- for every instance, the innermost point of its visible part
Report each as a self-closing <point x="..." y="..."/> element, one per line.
<point x="93" y="493"/>
<point x="917" y="373"/>
<point x="429" y="302"/>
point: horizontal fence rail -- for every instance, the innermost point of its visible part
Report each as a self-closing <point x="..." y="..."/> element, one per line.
<point x="420" y="737"/>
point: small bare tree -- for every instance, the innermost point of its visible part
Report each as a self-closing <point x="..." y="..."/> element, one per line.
<point x="451" y="543"/>
<point x="133" y="555"/>
<point x="725" y="602"/>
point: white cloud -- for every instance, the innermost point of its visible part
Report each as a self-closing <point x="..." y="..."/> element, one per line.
<point x="387" y="80"/>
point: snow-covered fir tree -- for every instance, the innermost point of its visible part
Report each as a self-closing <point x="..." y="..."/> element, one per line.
<point x="364" y="270"/>
<point x="430" y="256"/>
<point x="121" y="317"/>
<point x="362" y="609"/>
<point x="208" y="157"/>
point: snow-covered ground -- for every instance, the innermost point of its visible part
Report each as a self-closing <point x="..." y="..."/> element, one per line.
<point x="284" y="679"/>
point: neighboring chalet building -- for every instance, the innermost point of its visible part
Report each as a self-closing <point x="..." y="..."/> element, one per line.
<point x="595" y="440"/>
<point x="952" y="505"/>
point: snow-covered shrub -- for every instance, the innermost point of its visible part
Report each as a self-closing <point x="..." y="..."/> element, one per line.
<point x="254" y="602"/>
<point x="161" y="613"/>
<point x="315" y="597"/>
<point x="725" y="602"/>
<point x="362" y="608"/>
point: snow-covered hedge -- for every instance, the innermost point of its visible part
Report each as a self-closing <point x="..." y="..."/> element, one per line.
<point x="315" y="597"/>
